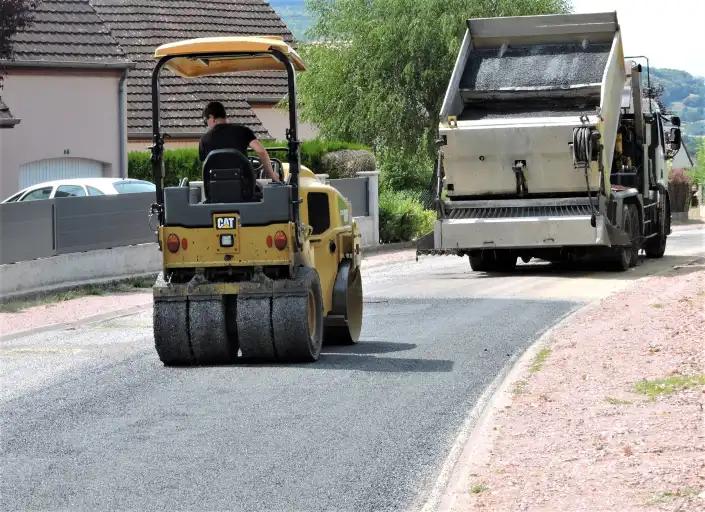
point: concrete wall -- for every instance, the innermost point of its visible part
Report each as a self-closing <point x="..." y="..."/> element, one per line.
<point x="63" y="113"/>
<point x="66" y="270"/>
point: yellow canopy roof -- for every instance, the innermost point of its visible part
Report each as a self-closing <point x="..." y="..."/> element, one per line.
<point x="253" y="48"/>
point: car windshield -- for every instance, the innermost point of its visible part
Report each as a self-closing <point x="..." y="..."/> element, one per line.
<point x="133" y="187"/>
<point x="38" y="194"/>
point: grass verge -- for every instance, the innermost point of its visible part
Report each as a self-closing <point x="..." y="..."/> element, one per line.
<point x="668" y="496"/>
<point x="109" y="288"/>
<point x="478" y="488"/>
<point x="539" y="360"/>
<point x="669" y="385"/>
<point x="616" y="401"/>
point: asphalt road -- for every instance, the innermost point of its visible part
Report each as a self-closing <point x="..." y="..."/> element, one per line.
<point x="91" y="420"/>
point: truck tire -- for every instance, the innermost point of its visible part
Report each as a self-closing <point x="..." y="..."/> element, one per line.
<point x="634" y="234"/>
<point x="478" y="262"/>
<point x="493" y="261"/>
<point x="655" y="247"/>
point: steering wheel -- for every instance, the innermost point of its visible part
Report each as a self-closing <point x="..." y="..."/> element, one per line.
<point x="257" y="166"/>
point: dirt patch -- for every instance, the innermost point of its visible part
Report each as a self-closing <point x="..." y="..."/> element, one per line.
<point x="610" y="415"/>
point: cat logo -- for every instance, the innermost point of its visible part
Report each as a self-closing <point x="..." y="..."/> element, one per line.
<point x="225" y="223"/>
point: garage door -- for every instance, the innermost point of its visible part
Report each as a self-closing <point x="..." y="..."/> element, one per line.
<point x="59" y="169"/>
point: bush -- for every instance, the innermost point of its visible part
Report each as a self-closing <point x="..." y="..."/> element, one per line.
<point x="402" y="217"/>
<point x="178" y="163"/>
<point x="400" y="170"/>
<point x="184" y="162"/>
<point x="679" y="190"/>
<point x="346" y="163"/>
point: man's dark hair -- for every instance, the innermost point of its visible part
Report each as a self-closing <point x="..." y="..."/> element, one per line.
<point x="215" y="109"/>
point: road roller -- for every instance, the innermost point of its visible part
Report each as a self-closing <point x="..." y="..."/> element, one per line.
<point x="252" y="269"/>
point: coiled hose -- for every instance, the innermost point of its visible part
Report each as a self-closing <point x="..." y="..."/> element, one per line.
<point x="582" y="154"/>
<point x="582" y="146"/>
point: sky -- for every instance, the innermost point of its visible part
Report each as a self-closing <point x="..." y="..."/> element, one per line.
<point x="671" y="33"/>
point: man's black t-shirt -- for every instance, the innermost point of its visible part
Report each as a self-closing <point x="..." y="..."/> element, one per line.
<point x="225" y="136"/>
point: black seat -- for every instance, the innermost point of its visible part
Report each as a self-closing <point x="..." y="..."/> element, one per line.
<point x="228" y="177"/>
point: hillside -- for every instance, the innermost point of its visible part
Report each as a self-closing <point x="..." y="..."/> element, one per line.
<point x="683" y="94"/>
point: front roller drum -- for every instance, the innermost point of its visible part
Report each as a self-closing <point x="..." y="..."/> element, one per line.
<point x="212" y="341"/>
<point x="297" y="318"/>
<point x="344" y="323"/>
<point x="171" y="332"/>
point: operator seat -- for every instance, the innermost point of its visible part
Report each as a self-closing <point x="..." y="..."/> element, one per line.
<point x="228" y="177"/>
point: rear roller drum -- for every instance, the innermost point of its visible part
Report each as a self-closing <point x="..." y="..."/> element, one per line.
<point x="209" y="331"/>
<point x="297" y="319"/>
<point x="254" y="327"/>
<point x="171" y="332"/>
<point x="345" y="321"/>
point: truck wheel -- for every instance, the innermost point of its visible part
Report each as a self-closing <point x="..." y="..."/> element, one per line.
<point x="623" y="255"/>
<point x="505" y="261"/>
<point x="478" y="262"/>
<point x="634" y="235"/>
<point x="655" y="247"/>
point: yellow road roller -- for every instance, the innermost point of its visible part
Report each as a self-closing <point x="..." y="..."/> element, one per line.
<point x="251" y="269"/>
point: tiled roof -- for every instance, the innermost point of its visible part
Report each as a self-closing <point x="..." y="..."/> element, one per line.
<point x="66" y="31"/>
<point x="142" y="25"/>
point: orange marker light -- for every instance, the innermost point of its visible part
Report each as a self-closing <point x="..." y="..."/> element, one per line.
<point x="184" y="244"/>
<point x="269" y="241"/>
<point x="173" y="242"/>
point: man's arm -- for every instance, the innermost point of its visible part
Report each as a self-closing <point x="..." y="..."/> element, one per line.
<point x="264" y="158"/>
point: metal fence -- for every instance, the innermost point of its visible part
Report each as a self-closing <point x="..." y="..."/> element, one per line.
<point x="39" y="229"/>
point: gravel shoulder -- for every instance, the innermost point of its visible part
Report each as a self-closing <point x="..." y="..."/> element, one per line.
<point x="569" y="428"/>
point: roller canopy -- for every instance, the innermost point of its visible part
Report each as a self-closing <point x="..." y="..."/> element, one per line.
<point x="239" y="54"/>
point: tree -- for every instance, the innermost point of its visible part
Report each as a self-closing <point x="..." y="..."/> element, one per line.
<point x="698" y="172"/>
<point x="378" y="69"/>
<point x="14" y="16"/>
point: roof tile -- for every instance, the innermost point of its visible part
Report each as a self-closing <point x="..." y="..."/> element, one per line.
<point x="66" y="31"/>
<point x="142" y="25"/>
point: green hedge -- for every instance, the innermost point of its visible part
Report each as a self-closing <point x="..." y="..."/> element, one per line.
<point x="402" y="217"/>
<point x="184" y="162"/>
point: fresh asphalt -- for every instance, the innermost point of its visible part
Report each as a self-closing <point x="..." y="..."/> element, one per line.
<point x="91" y="420"/>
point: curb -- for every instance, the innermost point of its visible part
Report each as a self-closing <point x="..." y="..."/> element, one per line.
<point x="384" y="248"/>
<point x="469" y="442"/>
<point x="74" y="285"/>
<point x="450" y="481"/>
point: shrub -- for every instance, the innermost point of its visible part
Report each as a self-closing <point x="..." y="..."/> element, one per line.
<point x="679" y="190"/>
<point x="178" y="163"/>
<point x="184" y="162"/>
<point x="402" y="217"/>
<point x="346" y="163"/>
<point x="400" y="170"/>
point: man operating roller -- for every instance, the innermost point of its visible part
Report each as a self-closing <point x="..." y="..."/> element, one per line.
<point x="224" y="135"/>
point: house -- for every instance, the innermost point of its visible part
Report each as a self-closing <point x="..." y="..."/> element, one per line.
<point x="6" y="118"/>
<point x="140" y="26"/>
<point x="66" y="84"/>
<point x="682" y="160"/>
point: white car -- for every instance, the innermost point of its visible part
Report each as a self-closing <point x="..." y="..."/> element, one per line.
<point x="81" y="187"/>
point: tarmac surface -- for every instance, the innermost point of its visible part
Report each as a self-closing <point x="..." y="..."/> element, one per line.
<point x="91" y="420"/>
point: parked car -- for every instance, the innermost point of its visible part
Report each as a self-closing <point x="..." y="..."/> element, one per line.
<point x="81" y="187"/>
